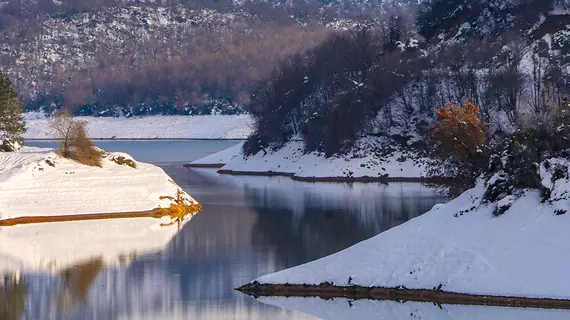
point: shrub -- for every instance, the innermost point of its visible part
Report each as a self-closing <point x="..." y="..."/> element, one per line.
<point x="75" y="144"/>
<point x="122" y="161"/>
<point x="460" y="143"/>
<point x="84" y="151"/>
<point x="254" y="144"/>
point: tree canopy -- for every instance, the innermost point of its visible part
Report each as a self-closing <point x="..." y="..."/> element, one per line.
<point x="12" y="124"/>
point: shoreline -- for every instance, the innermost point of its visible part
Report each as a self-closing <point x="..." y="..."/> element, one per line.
<point x="325" y="179"/>
<point x="157" y="213"/>
<point x="328" y="291"/>
<point x="204" y="165"/>
<point x="143" y="139"/>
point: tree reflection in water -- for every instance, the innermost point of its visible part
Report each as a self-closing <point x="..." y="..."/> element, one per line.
<point x="75" y="284"/>
<point x="250" y="226"/>
<point x="12" y="297"/>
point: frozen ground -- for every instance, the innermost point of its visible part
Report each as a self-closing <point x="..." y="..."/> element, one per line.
<point x="462" y="247"/>
<point x="38" y="182"/>
<point x="151" y="127"/>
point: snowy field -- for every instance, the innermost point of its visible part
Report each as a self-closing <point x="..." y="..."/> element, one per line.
<point x="151" y="127"/>
<point x="38" y="182"/>
<point x="461" y="247"/>
<point x="292" y="159"/>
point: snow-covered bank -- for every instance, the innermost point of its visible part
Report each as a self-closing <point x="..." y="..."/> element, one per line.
<point x="151" y="127"/>
<point x="219" y="159"/>
<point x="38" y="182"/>
<point x="291" y="159"/>
<point x="462" y="247"/>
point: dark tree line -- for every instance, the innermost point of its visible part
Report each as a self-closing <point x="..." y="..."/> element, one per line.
<point x="329" y="94"/>
<point x="379" y="81"/>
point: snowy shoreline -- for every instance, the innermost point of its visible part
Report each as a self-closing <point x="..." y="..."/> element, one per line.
<point x="55" y="212"/>
<point x="208" y="127"/>
<point x="328" y="292"/>
<point x="462" y="248"/>
<point x="291" y="161"/>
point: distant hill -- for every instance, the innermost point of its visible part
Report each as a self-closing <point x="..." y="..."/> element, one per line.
<point x="130" y="57"/>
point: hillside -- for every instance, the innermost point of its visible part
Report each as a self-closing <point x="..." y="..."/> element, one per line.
<point x="156" y="57"/>
<point x="389" y="82"/>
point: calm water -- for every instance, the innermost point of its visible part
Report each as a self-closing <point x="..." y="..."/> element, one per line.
<point x="155" y="151"/>
<point x="250" y="226"/>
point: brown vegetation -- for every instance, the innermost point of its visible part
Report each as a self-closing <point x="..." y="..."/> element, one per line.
<point x="460" y="141"/>
<point x="179" y="208"/>
<point x="122" y="161"/>
<point x="177" y="211"/>
<point x="75" y="144"/>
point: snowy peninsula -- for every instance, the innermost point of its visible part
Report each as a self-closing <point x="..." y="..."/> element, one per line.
<point x="511" y="246"/>
<point x="38" y="184"/>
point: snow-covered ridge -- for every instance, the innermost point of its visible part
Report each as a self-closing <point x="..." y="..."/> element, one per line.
<point x="152" y="127"/>
<point x="38" y="182"/>
<point x="461" y="247"/>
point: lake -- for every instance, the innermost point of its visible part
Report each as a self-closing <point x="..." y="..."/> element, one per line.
<point x="250" y="226"/>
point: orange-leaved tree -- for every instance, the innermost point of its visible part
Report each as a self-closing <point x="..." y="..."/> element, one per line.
<point x="460" y="141"/>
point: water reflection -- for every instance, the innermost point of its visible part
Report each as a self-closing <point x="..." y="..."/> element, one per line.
<point x="367" y="309"/>
<point x="12" y="297"/>
<point x="250" y="226"/>
<point x="76" y="283"/>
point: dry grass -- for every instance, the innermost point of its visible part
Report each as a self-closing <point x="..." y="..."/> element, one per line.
<point x="179" y="208"/>
<point x="84" y="151"/>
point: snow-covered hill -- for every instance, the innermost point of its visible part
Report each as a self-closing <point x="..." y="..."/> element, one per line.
<point x="464" y="247"/>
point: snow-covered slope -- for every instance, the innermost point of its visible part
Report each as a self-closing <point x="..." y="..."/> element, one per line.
<point x="221" y="157"/>
<point x="292" y="159"/>
<point x="462" y="247"/>
<point x="152" y="127"/>
<point x="38" y="182"/>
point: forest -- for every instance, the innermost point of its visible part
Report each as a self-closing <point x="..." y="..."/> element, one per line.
<point x="130" y="58"/>
<point x="509" y="61"/>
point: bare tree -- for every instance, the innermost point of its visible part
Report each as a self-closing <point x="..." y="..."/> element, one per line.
<point x="66" y="128"/>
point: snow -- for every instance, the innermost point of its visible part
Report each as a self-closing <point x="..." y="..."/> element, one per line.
<point x="221" y="157"/>
<point x="461" y="246"/>
<point x="368" y="309"/>
<point x="53" y="247"/>
<point x="38" y="182"/>
<point x="292" y="159"/>
<point x="29" y="186"/>
<point x="150" y="127"/>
